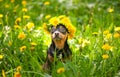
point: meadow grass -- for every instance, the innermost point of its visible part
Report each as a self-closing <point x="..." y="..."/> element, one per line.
<point x="24" y="43"/>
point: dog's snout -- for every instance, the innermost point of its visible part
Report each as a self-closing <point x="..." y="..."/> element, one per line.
<point x="56" y="33"/>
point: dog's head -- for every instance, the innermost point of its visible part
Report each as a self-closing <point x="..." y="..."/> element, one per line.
<point x="59" y="35"/>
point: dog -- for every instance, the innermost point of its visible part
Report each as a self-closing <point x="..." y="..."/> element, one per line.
<point x="59" y="47"/>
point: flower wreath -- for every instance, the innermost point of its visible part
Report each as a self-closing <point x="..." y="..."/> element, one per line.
<point x="54" y="21"/>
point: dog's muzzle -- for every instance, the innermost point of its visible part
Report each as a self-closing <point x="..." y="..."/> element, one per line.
<point x="56" y="35"/>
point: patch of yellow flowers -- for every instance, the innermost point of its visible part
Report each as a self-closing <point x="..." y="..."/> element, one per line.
<point x="62" y="19"/>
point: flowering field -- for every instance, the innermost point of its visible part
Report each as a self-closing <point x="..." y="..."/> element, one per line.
<point x="24" y="42"/>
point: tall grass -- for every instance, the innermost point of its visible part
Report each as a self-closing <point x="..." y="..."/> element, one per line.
<point x="95" y="46"/>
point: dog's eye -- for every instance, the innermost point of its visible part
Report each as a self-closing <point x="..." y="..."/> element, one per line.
<point x="63" y="30"/>
<point x="53" y="29"/>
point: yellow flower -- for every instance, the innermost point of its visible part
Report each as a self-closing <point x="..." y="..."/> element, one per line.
<point x="47" y="16"/>
<point x="62" y="19"/>
<point x="24" y="2"/>
<point x="21" y="36"/>
<point x="17" y="74"/>
<point x="54" y="21"/>
<point x="117" y="28"/>
<point x="105" y="56"/>
<point x="83" y="42"/>
<point x="17" y="27"/>
<point x="26" y="17"/>
<point x="32" y="48"/>
<point x="22" y="48"/>
<point x="105" y="32"/>
<point x="7" y="6"/>
<point x="14" y="10"/>
<point x="33" y="44"/>
<point x="12" y="1"/>
<point x="106" y="47"/>
<point x="71" y="30"/>
<point x="108" y="36"/>
<point x="45" y="28"/>
<point x="18" y="68"/>
<point x="61" y="70"/>
<point x="1" y="0"/>
<point x="61" y="16"/>
<point x="30" y="25"/>
<point x="65" y="20"/>
<point x="46" y="3"/>
<point x="24" y="9"/>
<point x="3" y="73"/>
<point x="110" y="10"/>
<point x="95" y="33"/>
<point x="1" y="15"/>
<point x="9" y="43"/>
<point x="1" y="57"/>
<point x="116" y="35"/>
<point x="18" y="20"/>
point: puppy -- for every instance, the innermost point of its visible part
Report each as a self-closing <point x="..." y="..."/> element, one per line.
<point x="59" y="47"/>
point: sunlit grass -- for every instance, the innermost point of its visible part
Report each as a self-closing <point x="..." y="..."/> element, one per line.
<point x="24" y="43"/>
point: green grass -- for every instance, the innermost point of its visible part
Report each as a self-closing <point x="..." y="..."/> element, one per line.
<point x="88" y="16"/>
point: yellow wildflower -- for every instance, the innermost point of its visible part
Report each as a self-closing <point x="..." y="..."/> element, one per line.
<point x="45" y="28"/>
<point x="54" y="21"/>
<point x="65" y="20"/>
<point x="1" y="0"/>
<point x="24" y="2"/>
<point x="32" y="48"/>
<point x="17" y="74"/>
<point x="105" y="56"/>
<point x="108" y="36"/>
<point x="1" y="15"/>
<point x="12" y="1"/>
<point x="116" y="35"/>
<point x="47" y="16"/>
<point x="110" y="10"/>
<point x="26" y="17"/>
<point x="61" y="70"/>
<point x="83" y="42"/>
<point x="24" y="9"/>
<point x="30" y="25"/>
<point x="117" y="29"/>
<point x="3" y="73"/>
<point x="33" y="44"/>
<point x="106" y="47"/>
<point x="61" y="16"/>
<point x="95" y="33"/>
<point x="18" y="20"/>
<point x="105" y="32"/>
<point x="18" y="68"/>
<point x="1" y="57"/>
<point x="22" y="48"/>
<point x="9" y="43"/>
<point x="7" y="6"/>
<point x="17" y="27"/>
<point x="46" y="3"/>
<point x="21" y="36"/>
<point x="14" y="10"/>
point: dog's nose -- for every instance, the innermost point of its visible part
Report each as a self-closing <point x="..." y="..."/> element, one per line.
<point x="56" y="33"/>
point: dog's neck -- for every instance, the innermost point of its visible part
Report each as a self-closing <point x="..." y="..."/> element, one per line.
<point x="59" y="44"/>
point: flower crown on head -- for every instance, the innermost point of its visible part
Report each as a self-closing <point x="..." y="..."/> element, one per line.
<point x="62" y="19"/>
